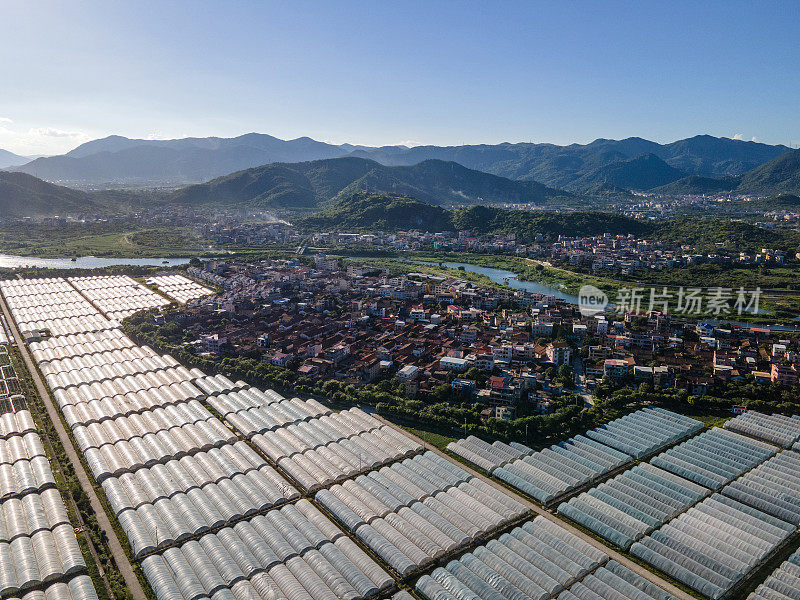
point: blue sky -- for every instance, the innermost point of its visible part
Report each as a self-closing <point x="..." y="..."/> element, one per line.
<point x="382" y="72"/>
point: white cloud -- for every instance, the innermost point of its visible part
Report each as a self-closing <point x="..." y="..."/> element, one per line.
<point x="5" y="120"/>
<point x="39" y="140"/>
<point x="754" y="139"/>
<point x="409" y="143"/>
<point x="53" y="132"/>
<point x="738" y="136"/>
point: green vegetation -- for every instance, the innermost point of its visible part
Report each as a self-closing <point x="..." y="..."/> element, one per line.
<point x="435" y="439"/>
<point x="91" y="537"/>
<point x="389" y="212"/>
<point x="639" y="173"/>
<point x="100" y="239"/>
<point x="697" y="184"/>
<point x="779" y="202"/>
<point x="23" y="195"/>
<point x="310" y="184"/>
<point x="365" y="210"/>
<point x="779" y="176"/>
<point x="715" y="407"/>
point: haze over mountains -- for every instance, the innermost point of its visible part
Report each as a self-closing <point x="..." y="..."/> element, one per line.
<point x="262" y="172"/>
<point x="120" y="161"/>
<point x="307" y="185"/>
<point x="9" y="159"/>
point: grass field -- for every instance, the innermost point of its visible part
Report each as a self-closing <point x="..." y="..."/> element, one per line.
<point x="435" y="439"/>
<point x="106" y="240"/>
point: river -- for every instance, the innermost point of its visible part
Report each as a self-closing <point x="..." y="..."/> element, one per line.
<point x="509" y="279"/>
<point x="10" y="261"/>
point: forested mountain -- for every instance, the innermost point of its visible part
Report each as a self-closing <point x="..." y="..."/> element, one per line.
<point x="120" y="161"/>
<point x="561" y="166"/>
<point x="9" y="159"/>
<point x="391" y="212"/>
<point x="643" y="172"/>
<point x="378" y="211"/>
<point x="778" y="176"/>
<point x="22" y="195"/>
<point x="306" y="185"/>
<point x="697" y="184"/>
<point x="117" y="160"/>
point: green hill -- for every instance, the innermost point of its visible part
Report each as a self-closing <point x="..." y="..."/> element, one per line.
<point x="530" y="224"/>
<point x="366" y="211"/>
<point x="643" y="172"/>
<point x="22" y="195"/>
<point x="392" y="212"/>
<point x="378" y="212"/>
<point x="310" y="184"/>
<point x="697" y="184"/>
<point x="779" y="202"/>
<point x="779" y="176"/>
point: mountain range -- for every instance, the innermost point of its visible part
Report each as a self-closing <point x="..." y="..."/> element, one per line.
<point x="22" y="195"/>
<point x="600" y="168"/>
<point x="9" y="159"/>
<point x="307" y="185"/>
<point x="600" y="165"/>
<point x="369" y="211"/>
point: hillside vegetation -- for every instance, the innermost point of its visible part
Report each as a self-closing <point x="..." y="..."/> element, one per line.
<point x="121" y="161"/>
<point x="365" y="211"/>
<point x="779" y="176"/>
<point x="309" y="184"/>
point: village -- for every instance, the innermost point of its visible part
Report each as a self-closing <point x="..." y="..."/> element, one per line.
<point x="510" y="350"/>
<point x="621" y="253"/>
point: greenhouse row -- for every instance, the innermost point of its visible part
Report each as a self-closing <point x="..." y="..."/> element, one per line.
<point x="488" y="456"/>
<point x="16" y="418"/>
<point x="561" y="468"/>
<point x="535" y="561"/>
<point x="125" y="445"/>
<point x="118" y="296"/>
<point x="55" y="306"/>
<point x="776" y="429"/>
<point x="252" y="411"/>
<point x="126" y="382"/>
<point x="82" y="344"/>
<point x="615" y="581"/>
<point x="294" y="552"/>
<point x="418" y="510"/>
<point x="76" y="588"/>
<point x="163" y="504"/>
<point x="179" y="288"/>
<point x="645" y="431"/>
<point x="81" y="405"/>
<point x="713" y="545"/>
<point x="783" y="584"/>
<point x="773" y="487"/>
<point x="715" y="458"/>
<point x="37" y="542"/>
<point x="632" y="504"/>
<point x="115" y="363"/>
<point x="24" y="467"/>
<point x="321" y="451"/>
<point x="175" y="475"/>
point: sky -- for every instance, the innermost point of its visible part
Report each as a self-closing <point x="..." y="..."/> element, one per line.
<point x="389" y="72"/>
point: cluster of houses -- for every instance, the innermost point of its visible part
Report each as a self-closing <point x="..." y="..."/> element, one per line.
<point x="497" y="346"/>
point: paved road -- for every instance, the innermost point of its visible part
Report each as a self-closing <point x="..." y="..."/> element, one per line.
<point x="580" y="382"/>
<point x="123" y="564"/>
<point x="623" y="560"/>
